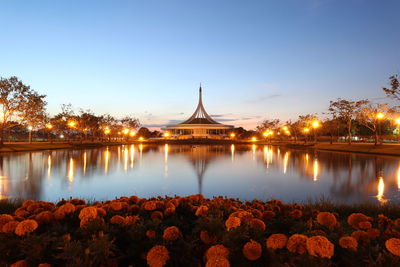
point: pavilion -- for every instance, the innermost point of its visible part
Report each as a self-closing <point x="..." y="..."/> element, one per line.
<point x="199" y="125"/>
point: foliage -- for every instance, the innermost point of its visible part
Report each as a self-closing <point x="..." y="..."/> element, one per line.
<point x="394" y="90"/>
<point x="194" y="231"/>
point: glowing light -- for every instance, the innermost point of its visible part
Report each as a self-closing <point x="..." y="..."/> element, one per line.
<point x="253" y="139"/>
<point x="268" y="154"/>
<point x="140" y="153"/>
<point x="141" y="138"/>
<point x="167" y="134"/>
<point x="71" y="124"/>
<point x="49" y="126"/>
<point x="84" y="163"/>
<point x="166" y="150"/>
<point x="107" y="131"/>
<point x="61" y="136"/>
<point x="398" y="178"/>
<point x="3" y="187"/>
<point x="265" y="134"/>
<point x="126" y="155"/>
<point x="232" y="152"/>
<point x="132" y="155"/>
<point x="315" y="170"/>
<point x="126" y="131"/>
<point x="107" y="158"/>
<point x="132" y="133"/>
<point x="285" y="128"/>
<point x="71" y="170"/>
<point x="316" y="124"/>
<point x="49" y="166"/>
<point x="398" y="121"/>
<point x="30" y="128"/>
<point x="381" y="190"/>
<point x="285" y="162"/>
<point x="232" y="135"/>
<point x="380" y="115"/>
<point x="306" y="130"/>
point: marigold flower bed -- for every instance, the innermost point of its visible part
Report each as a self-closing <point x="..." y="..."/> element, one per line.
<point x="193" y="231"/>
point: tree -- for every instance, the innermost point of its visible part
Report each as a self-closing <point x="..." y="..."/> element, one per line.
<point x="347" y="111"/>
<point x="367" y="116"/>
<point x="19" y="103"/>
<point x="394" y="90"/>
<point x="268" y="125"/>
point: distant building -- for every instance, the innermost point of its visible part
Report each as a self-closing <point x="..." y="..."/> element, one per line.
<point x="199" y="125"/>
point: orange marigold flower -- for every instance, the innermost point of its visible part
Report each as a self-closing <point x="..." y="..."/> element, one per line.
<point x="355" y="218"/>
<point x="26" y="226"/>
<point x="117" y="220"/>
<point x="149" y="205"/>
<point x="218" y="262"/>
<point x="373" y="233"/>
<point x="171" y="233"/>
<point x="9" y="227"/>
<point x="44" y="217"/>
<point x="216" y="251"/>
<point x="157" y="256"/>
<point x="5" y="218"/>
<point x="67" y="208"/>
<point x="27" y="203"/>
<point x="326" y="219"/>
<point x="257" y="223"/>
<point x="276" y="241"/>
<point x="252" y="250"/>
<point x="297" y="243"/>
<point x="101" y="212"/>
<point x="88" y="213"/>
<point x="365" y="225"/>
<point x="116" y="205"/>
<point x="393" y="245"/>
<point x="151" y="234"/>
<point x="21" y="213"/>
<point x="202" y="211"/>
<point x="169" y="211"/>
<point x="268" y="214"/>
<point x="32" y="207"/>
<point x="320" y="246"/>
<point x="131" y="220"/>
<point x="206" y="238"/>
<point x="21" y="263"/>
<point x="360" y="236"/>
<point x="156" y="215"/>
<point x="296" y="213"/>
<point x="348" y="242"/>
<point x="256" y="213"/>
<point x="133" y="199"/>
<point x="232" y="222"/>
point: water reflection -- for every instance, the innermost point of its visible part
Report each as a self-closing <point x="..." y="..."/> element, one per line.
<point x="247" y="172"/>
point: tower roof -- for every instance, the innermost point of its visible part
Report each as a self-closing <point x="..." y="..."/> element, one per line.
<point x="200" y="115"/>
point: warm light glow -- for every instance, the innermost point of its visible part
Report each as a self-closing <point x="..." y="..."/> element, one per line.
<point x="380" y="115"/>
<point x="285" y="128"/>
<point x="315" y="170"/>
<point x="71" y="124"/>
<point x="254" y="147"/>
<point x="166" y="150"/>
<point x="125" y="131"/>
<point x="268" y="154"/>
<point x="49" y="166"/>
<point x="49" y="126"/>
<point x="3" y="187"/>
<point x="315" y="124"/>
<point x="107" y="131"/>
<point x="30" y="128"/>
<point x="253" y="139"/>
<point x="232" y="152"/>
<point x="287" y="132"/>
<point x="232" y="134"/>
<point x="84" y="163"/>
<point x="61" y="136"/>
<point x="126" y="158"/>
<point x="306" y="130"/>
<point x="166" y="134"/>
<point x="381" y="190"/>
<point x="132" y="155"/>
<point x="265" y="134"/>
<point x="71" y="170"/>
<point x="398" y="121"/>
<point x="285" y="162"/>
<point x="107" y="158"/>
<point x="398" y="179"/>
<point x="132" y="133"/>
<point x="141" y="138"/>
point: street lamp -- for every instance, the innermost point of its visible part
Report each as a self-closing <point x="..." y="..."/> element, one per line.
<point x="398" y="129"/>
<point x="49" y="127"/>
<point x="379" y="116"/>
<point x="306" y="131"/>
<point x="315" y="125"/>
<point x="30" y="133"/>
<point x="107" y="131"/>
<point x="232" y="135"/>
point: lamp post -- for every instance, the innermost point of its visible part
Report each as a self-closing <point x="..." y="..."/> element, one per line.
<point x="379" y="116"/>
<point x="49" y="127"/>
<point x="107" y="132"/>
<point x="315" y="125"/>
<point x="30" y="133"/>
<point x="71" y="124"/>
<point x="306" y="131"/>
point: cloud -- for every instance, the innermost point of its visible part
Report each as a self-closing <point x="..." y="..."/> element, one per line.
<point x="261" y="99"/>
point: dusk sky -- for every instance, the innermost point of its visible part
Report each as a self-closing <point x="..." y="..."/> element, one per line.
<point x="255" y="59"/>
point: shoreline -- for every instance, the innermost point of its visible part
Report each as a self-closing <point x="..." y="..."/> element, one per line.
<point x="365" y="148"/>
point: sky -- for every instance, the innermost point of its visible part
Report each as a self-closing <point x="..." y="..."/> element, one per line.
<point x="255" y="60"/>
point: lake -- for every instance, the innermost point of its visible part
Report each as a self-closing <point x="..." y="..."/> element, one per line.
<point x="246" y="172"/>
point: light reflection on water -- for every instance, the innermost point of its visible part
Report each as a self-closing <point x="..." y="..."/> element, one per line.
<point x="246" y="172"/>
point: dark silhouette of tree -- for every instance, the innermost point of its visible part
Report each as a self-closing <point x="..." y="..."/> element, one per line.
<point x="394" y="90"/>
<point x="18" y="102"/>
